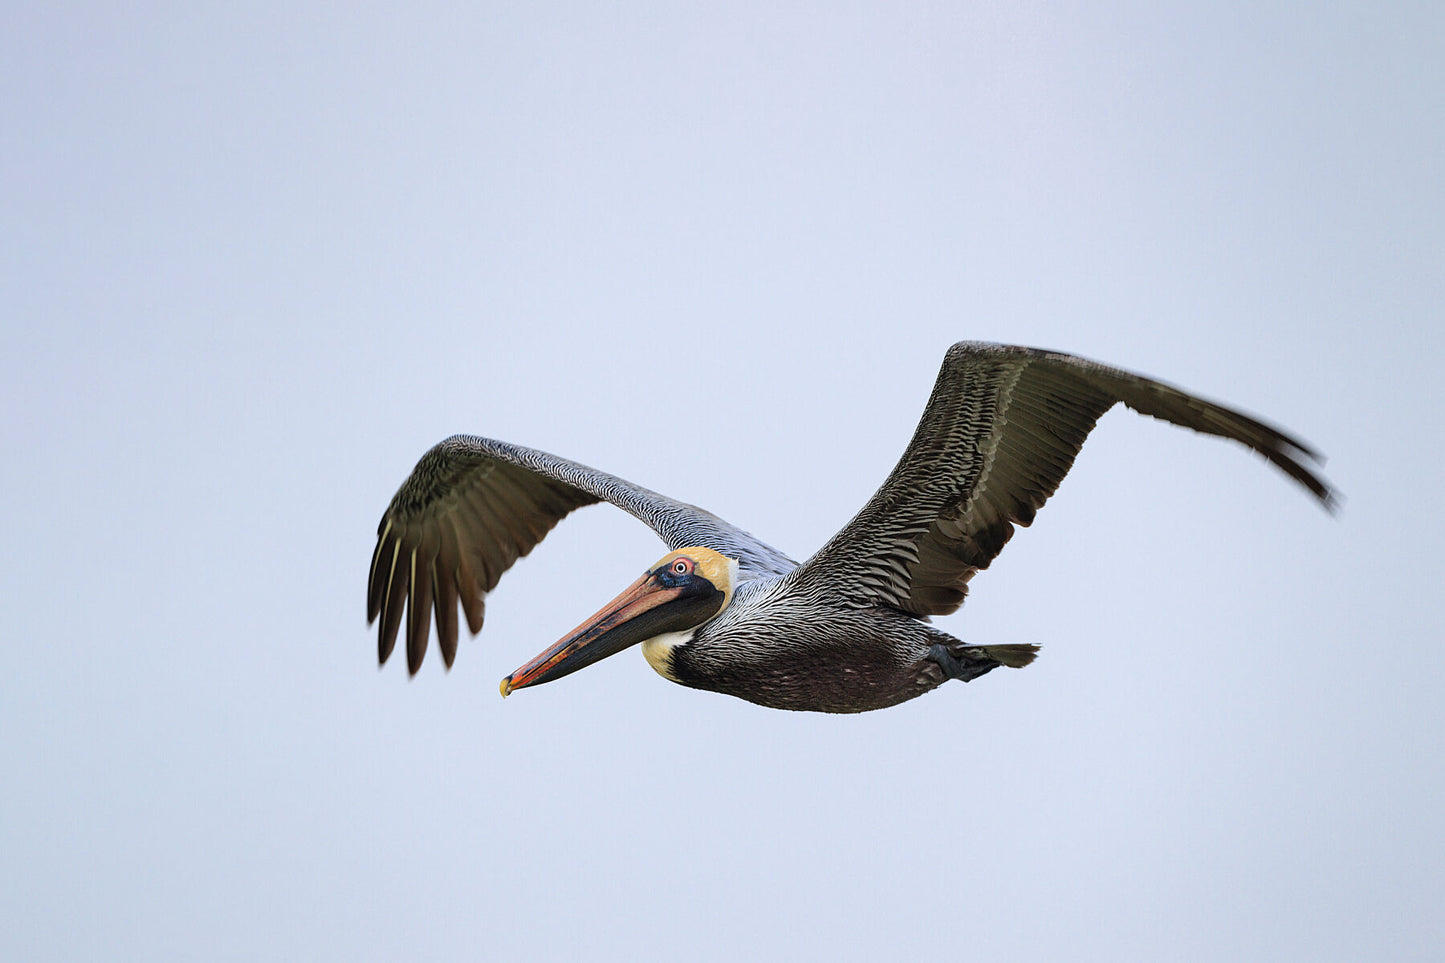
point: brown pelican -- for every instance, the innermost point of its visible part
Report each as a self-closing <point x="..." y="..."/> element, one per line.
<point x="845" y="631"/>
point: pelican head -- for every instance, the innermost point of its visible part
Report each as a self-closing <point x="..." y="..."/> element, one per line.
<point x="683" y="590"/>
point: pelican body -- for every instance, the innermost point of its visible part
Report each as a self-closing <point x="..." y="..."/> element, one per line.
<point x="845" y="631"/>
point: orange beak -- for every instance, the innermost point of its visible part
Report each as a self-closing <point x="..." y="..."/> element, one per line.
<point x="652" y="605"/>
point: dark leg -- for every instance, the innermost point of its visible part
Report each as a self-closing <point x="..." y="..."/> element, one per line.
<point x="970" y="667"/>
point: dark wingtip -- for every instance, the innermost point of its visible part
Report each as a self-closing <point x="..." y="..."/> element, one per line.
<point x="386" y="635"/>
<point x="384" y="647"/>
<point x="1293" y="465"/>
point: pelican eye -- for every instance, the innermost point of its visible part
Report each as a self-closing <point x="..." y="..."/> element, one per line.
<point x="681" y="566"/>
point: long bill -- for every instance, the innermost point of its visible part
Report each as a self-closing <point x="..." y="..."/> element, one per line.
<point x="647" y="608"/>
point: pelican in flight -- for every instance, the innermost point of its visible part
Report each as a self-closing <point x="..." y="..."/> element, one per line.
<point x="845" y="631"/>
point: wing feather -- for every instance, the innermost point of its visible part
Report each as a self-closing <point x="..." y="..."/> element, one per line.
<point x="473" y="506"/>
<point x="999" y="433"/>
<point x="419" y="605"/>
<point x="444" y="601"/>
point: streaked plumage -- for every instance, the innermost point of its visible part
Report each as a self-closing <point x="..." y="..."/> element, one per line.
<point x="843" y="631"/>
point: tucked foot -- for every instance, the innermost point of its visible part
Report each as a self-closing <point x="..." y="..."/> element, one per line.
<point x="973" y="661"/>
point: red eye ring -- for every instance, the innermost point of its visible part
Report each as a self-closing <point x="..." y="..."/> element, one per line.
<point x="680" y="566"/>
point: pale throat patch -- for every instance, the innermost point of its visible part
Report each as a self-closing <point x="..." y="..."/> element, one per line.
<point x="658" y="651"/>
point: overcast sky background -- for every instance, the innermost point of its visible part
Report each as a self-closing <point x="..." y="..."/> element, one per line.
<point x="257" y="258"/>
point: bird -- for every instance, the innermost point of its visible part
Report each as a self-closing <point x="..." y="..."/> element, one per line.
<point x="847" y="630"/>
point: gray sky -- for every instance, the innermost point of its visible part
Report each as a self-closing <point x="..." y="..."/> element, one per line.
<point x="255" y="261"/>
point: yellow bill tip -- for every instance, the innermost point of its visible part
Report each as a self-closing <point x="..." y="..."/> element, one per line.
<point x="506" y="687"/>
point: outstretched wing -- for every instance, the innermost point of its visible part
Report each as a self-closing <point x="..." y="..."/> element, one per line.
<point x="998" y="435"/>
<point x="473" y="506"/>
